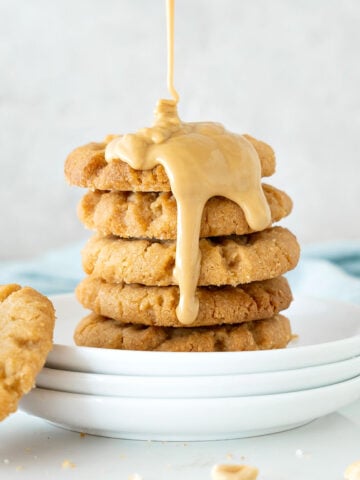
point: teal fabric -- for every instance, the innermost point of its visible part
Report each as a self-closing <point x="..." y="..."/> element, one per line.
<point x="328" y="270"/>
<point x="57" y="271"/>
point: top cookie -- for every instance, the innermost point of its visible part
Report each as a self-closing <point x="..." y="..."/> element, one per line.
<point x="86" y="167"/>
<point x="26" y="328"/>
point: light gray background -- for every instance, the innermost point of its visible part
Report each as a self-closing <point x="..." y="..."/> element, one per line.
<point x="72" y="71"/>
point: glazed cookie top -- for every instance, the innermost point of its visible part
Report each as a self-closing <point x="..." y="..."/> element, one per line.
<point x="154" y="215"/>
<point x="97" y="331"/>
<point x="26" y="329"/>
<point x="86" y="167"/>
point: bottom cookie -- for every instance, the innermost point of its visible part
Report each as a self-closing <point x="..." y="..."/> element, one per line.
<point x="98" y="331"/>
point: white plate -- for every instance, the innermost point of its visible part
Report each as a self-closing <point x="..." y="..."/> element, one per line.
<point x="328" y="332"/>
<point x="188" y="419"/>
<point x="199" y="386"/>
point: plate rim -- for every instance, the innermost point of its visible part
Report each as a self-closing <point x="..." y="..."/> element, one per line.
<point x="201" y="386"/>
<point x="275" y="396"/>
<point x="164" y="378"/>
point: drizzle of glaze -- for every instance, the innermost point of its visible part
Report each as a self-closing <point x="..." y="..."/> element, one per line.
<point x="202" y="160"/>
<point x="170" y="43"/>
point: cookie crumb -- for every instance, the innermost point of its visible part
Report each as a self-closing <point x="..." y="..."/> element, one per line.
<point x="82" y="435"/>
<point x="135" y="476"/>
<point x="19" y="468"/>
<point x="234" y="472"/>
<point x="67" y="464"/>
<point x="353" y="471"/>
<point x="229" y="456"/>
<point x="299" y="453"/>
<point x="6" y="461"/>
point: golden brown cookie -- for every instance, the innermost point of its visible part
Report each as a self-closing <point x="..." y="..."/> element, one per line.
<point x="26" y="329"/>
<point x="97" y="331"/>
<point x="154" y="215"/>
<point x="86" y="167"/>
<point x="156" y="305"/>
<point x="224" y="260"/>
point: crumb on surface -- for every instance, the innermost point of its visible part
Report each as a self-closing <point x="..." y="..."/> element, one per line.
<point x="135" y="476"/>
<point x="67" y="464"/>
<point x="82" y="434"/>
<point x="234" y="472"/>
<point x="19" y="468"/>
<point x="299" y="453"/>
<point x="353" y="471"/>
<point x="229" y="456"/>
<point x="6" y="461"/>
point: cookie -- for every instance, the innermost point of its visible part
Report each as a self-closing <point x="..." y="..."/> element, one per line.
<point x="156" y="305"/>
<point x="86" y="167"/>
<point x="224" y="260"/>
<point x="154" y="215"/>
<point x="26" y="329"/>
<point x="97" y="331"/>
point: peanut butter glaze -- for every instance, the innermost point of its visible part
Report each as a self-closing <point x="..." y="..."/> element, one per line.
<point x="202" y="160"/>
<point x="170" y="44"/>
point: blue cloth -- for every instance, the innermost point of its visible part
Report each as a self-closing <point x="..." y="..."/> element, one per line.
<point x="327" y="270"/>
<point x="57" y="271"/>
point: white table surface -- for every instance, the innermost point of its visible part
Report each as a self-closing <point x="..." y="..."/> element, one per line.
<point x="32" y="449"/>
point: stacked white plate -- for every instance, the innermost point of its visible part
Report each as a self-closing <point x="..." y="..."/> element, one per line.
<point x="201" y="396"/>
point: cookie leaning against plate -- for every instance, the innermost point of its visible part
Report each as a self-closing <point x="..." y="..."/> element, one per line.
<point x="156" y="306"/>
<point x="224" y="260"/>
<point x="154" y="215"/>
<point x="26" y="330"/>
<point x="86" y="167"/>
<point x="101" y="332"/>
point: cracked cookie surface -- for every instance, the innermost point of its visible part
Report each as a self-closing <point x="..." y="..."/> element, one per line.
<point x="154" y="215"/>
<point x="156" y="306"/>
<point x="224" y="260"/>
<point x="97" y="331"/>
<point x="26" y="329"/>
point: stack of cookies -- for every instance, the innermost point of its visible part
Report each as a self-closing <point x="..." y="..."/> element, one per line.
<point x="130" y="287"/>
